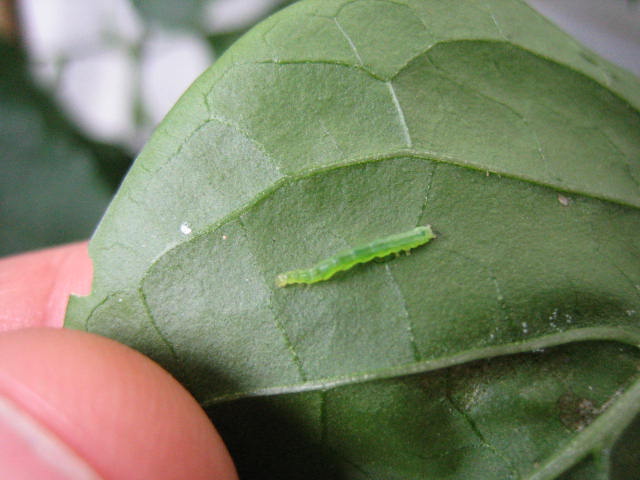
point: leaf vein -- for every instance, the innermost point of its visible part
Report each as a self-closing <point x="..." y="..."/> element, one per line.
<point x="617" y="334"/>
<point x="500" y="300"/>
<point x="473" y="426"/>
<point x="295" y="358"/>
<point x="156" y="328"/>
<point x="401" y="118"/>
<point x="349" y="41"/>
<point x="427" y="192"/>
<point x="336" y="63"/>
<point x="529" y="128"/>
<point x="405" y="313"/>
<point x="496" y="23"/>
<point x="590" y="439"/>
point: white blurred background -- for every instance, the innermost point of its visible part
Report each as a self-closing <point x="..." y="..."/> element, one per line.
<point x="131" y="68"/>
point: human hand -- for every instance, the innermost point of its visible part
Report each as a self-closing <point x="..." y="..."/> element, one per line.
<point x="78" y="406"/>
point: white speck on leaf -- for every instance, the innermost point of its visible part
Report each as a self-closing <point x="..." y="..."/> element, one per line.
<point x="185" y="229"/>
<point x="564" y="201"/>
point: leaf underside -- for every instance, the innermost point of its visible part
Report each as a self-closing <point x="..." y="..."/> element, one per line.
<point x="335" y="123"/>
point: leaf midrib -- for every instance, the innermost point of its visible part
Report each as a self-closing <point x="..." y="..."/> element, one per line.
<point x="411" y="154"/>
<point x="615" y="334"/>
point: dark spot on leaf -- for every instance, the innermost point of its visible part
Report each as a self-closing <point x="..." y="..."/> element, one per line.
<point x="576" y="412"/>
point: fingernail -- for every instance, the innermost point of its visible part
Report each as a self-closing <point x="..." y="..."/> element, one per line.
<point x="29" y="451"/>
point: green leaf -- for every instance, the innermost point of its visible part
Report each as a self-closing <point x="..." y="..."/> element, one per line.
<point x="335" y="123"/>
<point x="506" y="417"/>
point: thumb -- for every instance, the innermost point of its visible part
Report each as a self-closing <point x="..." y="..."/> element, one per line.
<point x="75" y="405"/>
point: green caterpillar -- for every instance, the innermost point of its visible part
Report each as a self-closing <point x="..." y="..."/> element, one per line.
<point x="346" y="259"/>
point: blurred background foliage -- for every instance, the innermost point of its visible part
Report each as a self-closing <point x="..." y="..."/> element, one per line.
<point x="82" y="85"/>
<point x="75" y="106"/>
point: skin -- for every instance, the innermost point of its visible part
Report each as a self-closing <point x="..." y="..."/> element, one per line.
<point x="76" y="405"/>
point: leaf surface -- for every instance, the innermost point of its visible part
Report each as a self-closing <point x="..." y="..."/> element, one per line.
<point x="335" y="123"/>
